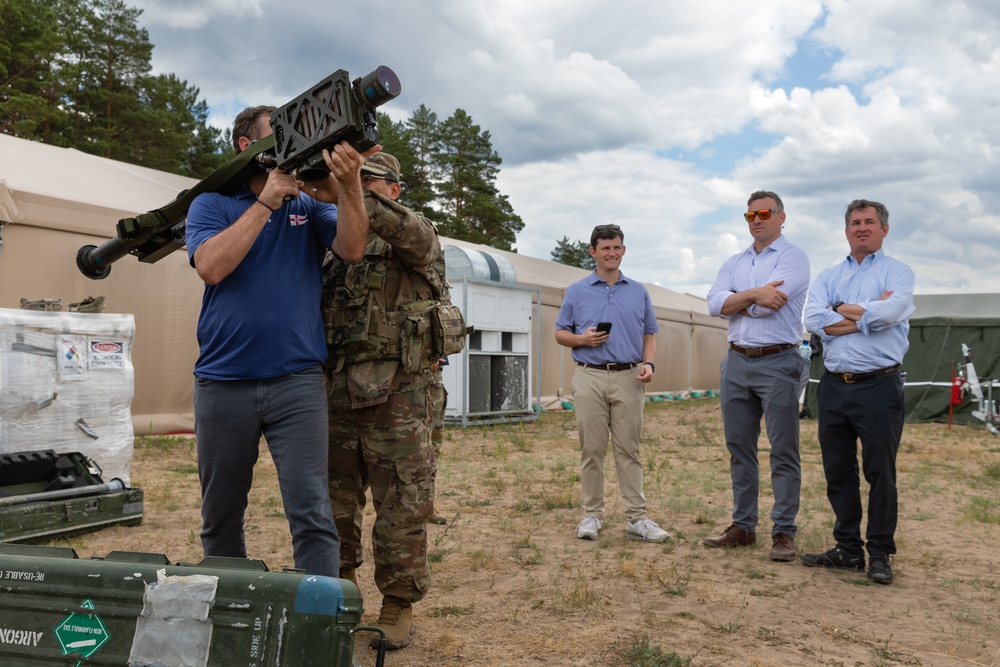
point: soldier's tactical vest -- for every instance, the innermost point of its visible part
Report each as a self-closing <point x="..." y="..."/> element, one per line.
<point x="378" y="309"/>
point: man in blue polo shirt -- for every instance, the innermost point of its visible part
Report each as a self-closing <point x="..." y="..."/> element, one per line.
<point x="259" y="373"/>
<point x="613" y="366"/>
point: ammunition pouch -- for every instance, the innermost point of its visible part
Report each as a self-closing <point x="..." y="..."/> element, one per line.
<point x="448" y="329"/>
<point x="416" y="342"/>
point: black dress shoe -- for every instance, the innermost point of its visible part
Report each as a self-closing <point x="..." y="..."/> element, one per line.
<point x="837" y="559"/>
<point x="879" y="570"/>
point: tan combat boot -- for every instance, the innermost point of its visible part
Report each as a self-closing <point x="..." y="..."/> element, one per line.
<point x="396" y="619"/>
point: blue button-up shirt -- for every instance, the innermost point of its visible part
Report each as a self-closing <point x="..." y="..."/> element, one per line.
<point x="626" y="304"/>
<point x="760" y="326"/>
<point x="881" y="340"/>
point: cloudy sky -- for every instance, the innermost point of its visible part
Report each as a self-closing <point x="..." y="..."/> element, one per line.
<point x="664" y="116"/>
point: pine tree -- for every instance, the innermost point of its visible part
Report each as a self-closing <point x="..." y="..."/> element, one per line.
<point x="422" y="133"/>
<point x="30" y="42"/>
<point x="574" y="254"/>
<point x="395" y="140"/>
<point x="175" y="135"/>
<point x="108" y="55"/>
<point x="75" y="73"/>
<point x="472" y="207"/>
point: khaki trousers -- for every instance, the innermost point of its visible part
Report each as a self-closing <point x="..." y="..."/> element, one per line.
<point x="609" y="403"/>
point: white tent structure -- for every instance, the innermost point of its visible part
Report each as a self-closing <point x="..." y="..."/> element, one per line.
<point x="54" y="200"/>
<point x="690" y="344"/>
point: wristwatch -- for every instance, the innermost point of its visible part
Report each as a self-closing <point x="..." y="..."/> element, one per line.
<point x="651" y="365"/>
<point x="835" y="306"/>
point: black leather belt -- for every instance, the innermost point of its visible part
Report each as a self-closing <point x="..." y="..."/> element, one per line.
<point x="608" y="367"/>
<point x="851" y="378"/>
<point x="761" y="351"/>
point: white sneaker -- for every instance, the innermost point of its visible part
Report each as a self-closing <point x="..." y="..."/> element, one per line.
<point x="647" y="531"/>
<point x="588" y="528"/>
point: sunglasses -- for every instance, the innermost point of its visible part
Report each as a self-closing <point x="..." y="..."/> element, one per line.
<point x="368" y="178"/>
<point x="602" y="228"/>
<point x="763" y="214"/>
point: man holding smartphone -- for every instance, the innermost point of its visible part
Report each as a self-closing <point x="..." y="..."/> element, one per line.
<point x="609" y="382"/>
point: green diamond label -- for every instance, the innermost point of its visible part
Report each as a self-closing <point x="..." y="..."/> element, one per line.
<point x="82" y="633"/>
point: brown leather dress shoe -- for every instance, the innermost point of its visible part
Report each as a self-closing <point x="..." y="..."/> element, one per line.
<point x="734" y="536"/>
<point x="783" y="548"/>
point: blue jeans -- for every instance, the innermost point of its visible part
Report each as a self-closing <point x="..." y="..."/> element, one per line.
<point x="290" y="412"/>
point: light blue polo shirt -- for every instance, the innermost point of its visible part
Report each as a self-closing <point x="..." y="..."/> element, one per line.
<point x="626" y="304"/>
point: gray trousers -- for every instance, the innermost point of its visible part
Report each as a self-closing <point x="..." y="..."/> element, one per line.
<point x="290" y="412"/>
<point x="753" y="387"/>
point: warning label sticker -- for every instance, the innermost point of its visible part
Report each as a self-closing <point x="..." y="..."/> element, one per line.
<point x="105" y="354"/>
<point x="71" y="357"/>
<point x="82" y="633"/>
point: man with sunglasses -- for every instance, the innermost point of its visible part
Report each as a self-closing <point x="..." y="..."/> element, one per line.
<point x="380" y="376"/>
<point x="860" y="309"/>
<point x="614" y="363"/>
<point x="761" y="292"/>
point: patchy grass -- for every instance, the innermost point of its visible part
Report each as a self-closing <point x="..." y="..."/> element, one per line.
<point x="512" y="585"/>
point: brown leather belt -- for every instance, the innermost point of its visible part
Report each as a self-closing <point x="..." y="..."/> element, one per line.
<point x="851" y="378"/>
<point x="761" y="351"/>
<point x="608" y="367"/>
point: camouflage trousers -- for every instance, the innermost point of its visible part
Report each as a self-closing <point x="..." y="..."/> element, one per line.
<point x="439" y="401"/>
<point x="385" y="449"/>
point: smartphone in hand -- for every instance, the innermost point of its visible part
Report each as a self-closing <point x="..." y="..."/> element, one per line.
<point x="604" y="327"/>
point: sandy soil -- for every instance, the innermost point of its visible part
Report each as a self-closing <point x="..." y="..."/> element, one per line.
<point x="513" y="585"/>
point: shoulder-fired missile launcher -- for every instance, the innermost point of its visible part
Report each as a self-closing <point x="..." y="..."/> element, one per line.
<point x="332" y="111"/>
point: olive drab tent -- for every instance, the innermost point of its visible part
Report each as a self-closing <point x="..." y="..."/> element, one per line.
<point x="939" y="327"/>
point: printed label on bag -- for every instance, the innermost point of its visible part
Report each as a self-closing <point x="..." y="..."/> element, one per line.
<point x="71" y="357"/>
<point x="106" y="354"/>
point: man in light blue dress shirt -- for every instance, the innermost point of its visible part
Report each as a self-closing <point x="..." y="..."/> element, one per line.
<point x="761" y="292"/>
<point x="860" y="309"/>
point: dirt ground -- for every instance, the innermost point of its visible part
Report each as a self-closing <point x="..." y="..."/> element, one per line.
<point x="513" y="585"/>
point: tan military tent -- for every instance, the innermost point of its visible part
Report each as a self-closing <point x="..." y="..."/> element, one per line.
<point x="54" y="200"/>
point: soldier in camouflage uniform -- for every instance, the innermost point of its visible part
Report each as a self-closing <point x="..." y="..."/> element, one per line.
<point x="385" y="331"/>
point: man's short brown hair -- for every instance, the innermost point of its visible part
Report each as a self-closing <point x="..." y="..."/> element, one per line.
<point x="606" y="232"/>
<point x="858" y="204"/>
<point x="764" y="194"/>
<point x="245" y="124"/>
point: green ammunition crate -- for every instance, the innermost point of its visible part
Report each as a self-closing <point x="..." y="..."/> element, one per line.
<point x="32" y="521"/>
<point x="44" y="494"/>
<point x="137" y="609"/>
